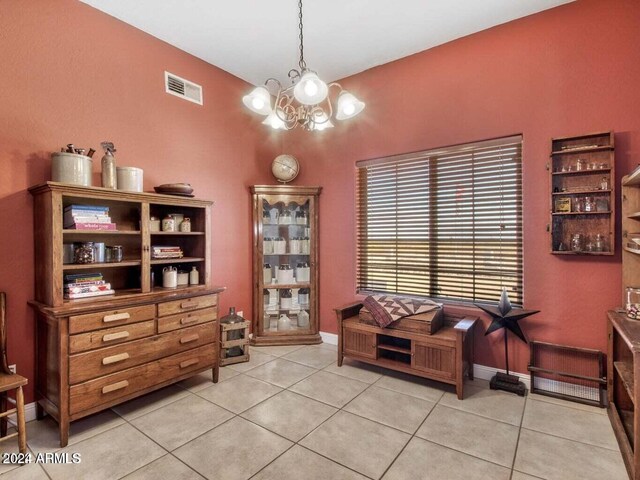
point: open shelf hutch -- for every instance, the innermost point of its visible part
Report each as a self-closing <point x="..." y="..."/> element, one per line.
<point x="582" y="176"/>
<point x="93" y="353"/>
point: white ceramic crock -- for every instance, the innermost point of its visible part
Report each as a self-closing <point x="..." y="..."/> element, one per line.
<point x="129" y="179"/>
<point x="71" y="168"/>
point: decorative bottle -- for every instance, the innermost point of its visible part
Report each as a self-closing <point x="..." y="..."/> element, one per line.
<point x="194" y="276"/>
<point x="109" y="178"/>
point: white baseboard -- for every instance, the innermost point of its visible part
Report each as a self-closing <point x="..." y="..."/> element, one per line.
<point x="330" y="338"/>
<point x="29" y="413"/>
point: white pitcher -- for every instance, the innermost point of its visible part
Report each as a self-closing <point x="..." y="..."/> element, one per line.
<point x="284" y="323"/>
<point x="169" y="277"/>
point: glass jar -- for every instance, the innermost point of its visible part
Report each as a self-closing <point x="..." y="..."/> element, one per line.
<point x="84" y="253"/>
<point x="285" y="299"/>
<point x="267" y="246"/>
<point x="302" y="272"/>
<point x="168" y="224"/>
<point x="599" y="243"/>
<point x="295" y="246"/>
<point x="633" y="302"/>
<point x="580" y="164"/>
<point x="267" y="273"/>
<point x="303" y="296"/>
<point x="238" y="334"/>
<point x="578" y="204"/>
<point x="301" y="217"/>
<point x="604" y="183"/>
<point x="266" y="297"/>
<point x="279" y="246"/>
<point x="589" y="204"/>
<point x="285" y="274"/>
<point x="577" y="242"/>
<point x="113" y="254"/>
<point x="285" y="218"/>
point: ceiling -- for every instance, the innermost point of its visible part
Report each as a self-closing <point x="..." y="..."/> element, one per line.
<point x="257" y="39"/>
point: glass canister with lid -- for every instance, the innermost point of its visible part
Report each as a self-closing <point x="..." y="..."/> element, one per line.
<point x="633" y="302"/>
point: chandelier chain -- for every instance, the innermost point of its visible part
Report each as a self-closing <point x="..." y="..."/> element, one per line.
<point x="301" y="63"/>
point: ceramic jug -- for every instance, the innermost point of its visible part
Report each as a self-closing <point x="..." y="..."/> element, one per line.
<point x="303" y="319"/>
<point x="169" y="277"/>
<point x="284" y="323"/>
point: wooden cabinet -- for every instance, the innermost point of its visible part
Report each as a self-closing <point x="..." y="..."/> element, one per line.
<point x="285" y="264"/>
<point x="582" y="176"/>
<point x="623" y="377"/>
<point x="445" y="356"/>
<point x="93" y="353"/>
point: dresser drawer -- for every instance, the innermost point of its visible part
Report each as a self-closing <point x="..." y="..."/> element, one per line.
<point x="187" y="319"/>
<point x="111" y="387"/>
<point x="96" y="363"/>
<point x="110" y="318"/>
<point x="111" y="336"/>
<point x="187" y="305"/>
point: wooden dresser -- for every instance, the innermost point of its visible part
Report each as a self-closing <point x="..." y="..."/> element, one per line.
<point x="444" y="356"/>
<point x="93" y="353"/>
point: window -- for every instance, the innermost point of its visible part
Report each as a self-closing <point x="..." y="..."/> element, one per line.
<point x="444" y="224"/>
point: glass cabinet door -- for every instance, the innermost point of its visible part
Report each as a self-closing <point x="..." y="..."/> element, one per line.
<point x="286" y="267"/>
<point x="286" y="260"/>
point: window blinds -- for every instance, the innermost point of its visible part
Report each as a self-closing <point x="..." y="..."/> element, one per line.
<point x="444" y="224"/>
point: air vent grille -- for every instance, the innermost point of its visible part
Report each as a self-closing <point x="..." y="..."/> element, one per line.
<point x="182" y="88"/>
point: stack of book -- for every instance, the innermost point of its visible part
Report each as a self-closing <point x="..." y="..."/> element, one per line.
<point x="84" y="285"/>
<point x="160" y="251"/>
<point x="87" y="217"/>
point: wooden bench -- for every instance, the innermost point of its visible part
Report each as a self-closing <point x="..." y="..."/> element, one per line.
<point x="444" y="356"/>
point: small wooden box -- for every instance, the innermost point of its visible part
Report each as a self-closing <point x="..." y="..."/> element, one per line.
<point x="426" y="323"/>
<point x="226" y="344"/>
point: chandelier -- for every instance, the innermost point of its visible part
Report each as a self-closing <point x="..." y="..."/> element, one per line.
<point x="305" y="103"/>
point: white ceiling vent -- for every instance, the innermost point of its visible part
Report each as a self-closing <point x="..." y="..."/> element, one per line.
<point x="182" y="88"/>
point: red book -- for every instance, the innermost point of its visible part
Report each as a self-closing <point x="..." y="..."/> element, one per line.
<point x="93" y="226"/>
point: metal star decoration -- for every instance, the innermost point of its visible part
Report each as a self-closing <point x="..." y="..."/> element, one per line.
<point x="505" y="316"/>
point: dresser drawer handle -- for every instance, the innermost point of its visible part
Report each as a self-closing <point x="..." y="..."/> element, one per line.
<point x="115" y="317"/>
<point x="186" y="320"/>
<point x="188" y="363"/>
<point x="115" y="336"/>
<point x="189" y="305"/>
<point x="115" y="386"/>
<point x="189" y="338"/>
<point x="115" y="358"/>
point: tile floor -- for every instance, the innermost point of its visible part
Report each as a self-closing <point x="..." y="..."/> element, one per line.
<point x="291" y="413"/>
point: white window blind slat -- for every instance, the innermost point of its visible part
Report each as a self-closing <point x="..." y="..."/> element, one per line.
<point x="444" y="224"/>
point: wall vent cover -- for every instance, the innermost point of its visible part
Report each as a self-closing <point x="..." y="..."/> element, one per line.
<point x="182" y="88"/>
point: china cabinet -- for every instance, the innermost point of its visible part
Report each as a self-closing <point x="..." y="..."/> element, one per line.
<point x="582" y="176"/>
<point x="285" y="255"/>
<point x="98" y="351"/>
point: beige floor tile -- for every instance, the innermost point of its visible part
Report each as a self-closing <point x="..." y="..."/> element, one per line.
<point x="255" y="360"/>
<point x="180" y="422"/>
<point x="328" y="346"/>
<point x="394" y="409"/>
<point x="501" y="406"/>
<point x="9" y="447"/>
<point x="427" y="461"/>
<point x="289" y="414"/>
<point x="555" y="458"/>
<point x="298" y="463"/>
<point x="167" y="467"/>
<point x="205" y="379"/>
<point x="149" y="402"/>
<point x="239" y="393"/>
<point x="32" y="471"/>
<point x="275" y="350"/>
<point x="282" y="373"/>
<point x="471" y="434"/>
<point x="43" y="435"/>
<point x="109" y="455"/>
<point x="356" y="370"/>
<point x="567" y="403"/>
<point x="329" y="388"/>
<point x="569" y="423"/>
<point x="523" y="476"/>
<point x="313" y="357"/>
<point x="235" y="450"/>
<point x="412" y="385"/>
<point x="358" y="443"/>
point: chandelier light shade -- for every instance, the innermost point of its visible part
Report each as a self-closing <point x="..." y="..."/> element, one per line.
<point x="306" y="102"/>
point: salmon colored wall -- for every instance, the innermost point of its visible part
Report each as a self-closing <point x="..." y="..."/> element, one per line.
<point x="567" y="71"/>
<point x="73" y="74"/>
